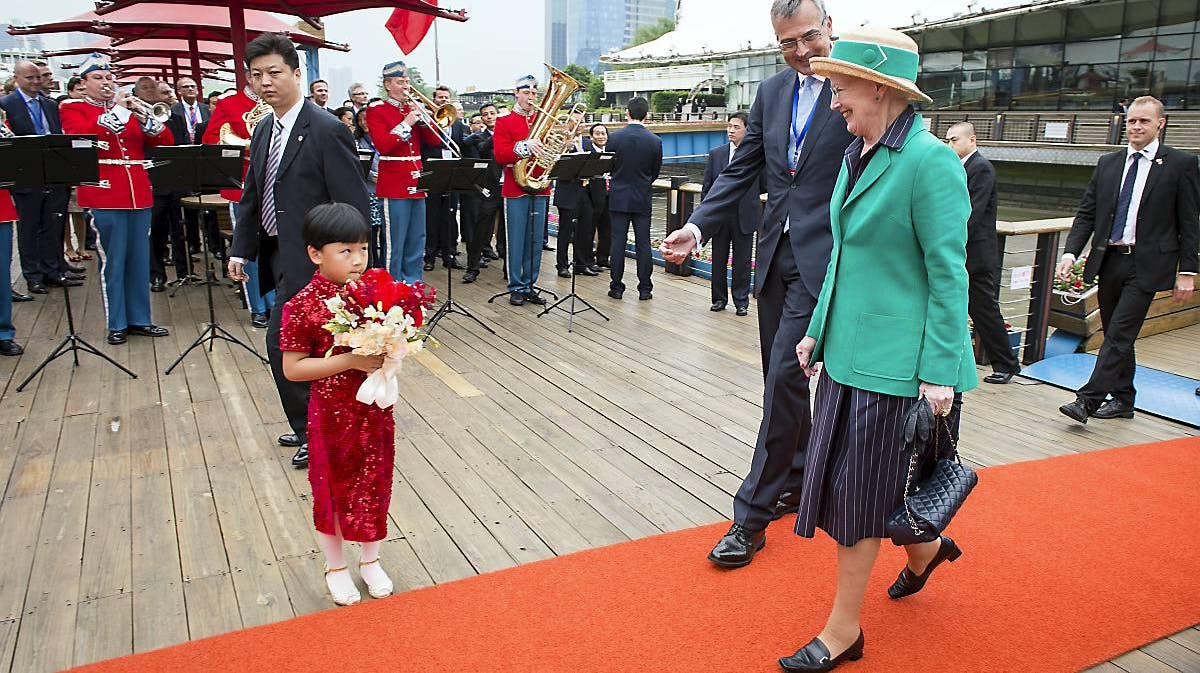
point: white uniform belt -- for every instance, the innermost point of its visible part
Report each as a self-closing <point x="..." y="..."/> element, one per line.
<point x="126" y="162"/>
<point x="415" y="157"/>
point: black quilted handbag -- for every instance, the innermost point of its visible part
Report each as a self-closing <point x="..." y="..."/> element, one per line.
<point x="930" y="504"/>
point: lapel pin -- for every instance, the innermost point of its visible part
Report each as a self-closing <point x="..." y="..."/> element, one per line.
<point x="299" y="139"/>
<point x="1158" y="161"/>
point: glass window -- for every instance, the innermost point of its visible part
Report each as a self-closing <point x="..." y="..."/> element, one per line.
<point x="1141" y="17"/>
<point x="941" y="87"/>
<point x="1193" y="92"/>
<point x="973" y="88"/>
<point x="1036" y="87"/>
<point x="974" y="60"/>
<point x="975" y="35"/>
<point x="1169" y="84"/>
<point x="1089" y="87"/>
<point x="1000" y="89"/>
<point x="1133" y="80"/>
<point x="1045" y="26"/>
<point x="941" y="61"/>
<point x="1178" y="16"/>
<point x="1039" y="54"/>
<point x="1093" y="21"/>
<point x="1173" y="47"/>
<point x="1000" y="58"/>
<point x="942" y="40"/>
<point x="1002" y="31"/>
<point x="1101" y="51"/>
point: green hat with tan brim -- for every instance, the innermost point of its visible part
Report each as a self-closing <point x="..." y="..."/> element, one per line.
<point x="880" y="55"/>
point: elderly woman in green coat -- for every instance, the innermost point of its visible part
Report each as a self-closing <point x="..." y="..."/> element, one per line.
<point x="890" y="325"/>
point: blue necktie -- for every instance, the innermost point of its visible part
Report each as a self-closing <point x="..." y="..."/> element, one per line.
<point x="804" y="107"/>
<point x="1126" y="196"/>
<point x="35" y="111"/>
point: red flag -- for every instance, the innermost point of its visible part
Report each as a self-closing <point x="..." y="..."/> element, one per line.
<point x="409" y="27"/>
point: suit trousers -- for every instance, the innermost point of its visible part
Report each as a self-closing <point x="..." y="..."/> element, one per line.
<point x="7" y="332"/>
<point x="441" y="234"/>
<point x="405" y="220"/>
<point x="164" y="221"/>
<point x="742" y="245"/>
<point x="574" y="228"/>
<point x="40" y="233"/>
<point x="984" y="310"/>
<point x="602" y="223"/>
<point x="293" y="395"/>
<point x="481" y="228"/>
<point x="124" y="247"/>
<point x="468" y="213"/>
<point x="1123" y="308"/>
<point x="785" y="307"/>
<point x="525" y="217"/>
<point x="641" y="245"/>
<point x="256" y="301"/>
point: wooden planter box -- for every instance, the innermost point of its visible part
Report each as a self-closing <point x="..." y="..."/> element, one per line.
<point x="1083" y="319"/>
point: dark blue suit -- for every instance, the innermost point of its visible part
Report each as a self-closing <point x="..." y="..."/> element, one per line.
<point x="41" y="212"/>
<point x="790" y="270"/>
<point x="638" y="160"/>
<point x="737" y="233"/>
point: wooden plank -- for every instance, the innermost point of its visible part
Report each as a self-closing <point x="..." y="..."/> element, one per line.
<point x="1138" y="661"/>
<point x="430" y="541"/>
<point x="1189" y="638"/>
<point x="446" y="375"/>
<point x="104" y="628"/>
<point x="107" y="561"/>
<point x="1174" y="655"/>
<point x="212" y="606"/>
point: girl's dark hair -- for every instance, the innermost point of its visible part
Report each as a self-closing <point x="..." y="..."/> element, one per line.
<point x="334" y="223"/>
<point x="360" y="123"/>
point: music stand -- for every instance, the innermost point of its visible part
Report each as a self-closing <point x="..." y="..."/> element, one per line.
<point x="453" y="175"/>
<point x="577" y="167"/>
<point x="202" y="168"/>
<point x="38" y="161"/>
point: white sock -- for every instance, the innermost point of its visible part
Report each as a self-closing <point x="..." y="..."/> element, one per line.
<point x="378" y="582"/>
<point x="339" y="582"/>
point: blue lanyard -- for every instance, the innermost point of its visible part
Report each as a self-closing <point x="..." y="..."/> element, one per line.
<point x="799" y="133"/>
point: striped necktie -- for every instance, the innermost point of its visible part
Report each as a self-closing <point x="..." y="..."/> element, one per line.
<point x="805" y="101"/>
<point x="268" y="201"/>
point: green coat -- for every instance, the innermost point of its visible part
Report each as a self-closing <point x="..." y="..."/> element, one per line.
<point x="893" y="308"/>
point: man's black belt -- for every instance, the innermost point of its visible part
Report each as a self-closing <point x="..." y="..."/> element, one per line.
<point x="1120" y="249"/>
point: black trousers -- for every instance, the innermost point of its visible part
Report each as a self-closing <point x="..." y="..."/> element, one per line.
<point x="984" y="310"/>
<point x="641" y="245"/>
<point x="1123" y="308"/>
<point x="742" y="245"/>
<point x="468" y="212"/>
<point x="575" y="228"/>
<point x="166" y="224"/>
<point x="42" y="215"/>
<point x="602" y="223"/>
<point x="293" y="395"/>
<point x="441" y="234"/>
<point x="785" y="307"/>
<point x="481" y="228"/>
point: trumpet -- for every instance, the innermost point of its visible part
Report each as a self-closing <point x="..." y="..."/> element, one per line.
<point x="139" y="107"/>
<point x="437" y="117"/>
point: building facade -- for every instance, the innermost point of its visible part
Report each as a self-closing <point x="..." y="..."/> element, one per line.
<point x="579" y="31"/>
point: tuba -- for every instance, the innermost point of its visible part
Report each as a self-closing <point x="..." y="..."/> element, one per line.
<point x="259" y="112"/>
<point x="555" y="130"/>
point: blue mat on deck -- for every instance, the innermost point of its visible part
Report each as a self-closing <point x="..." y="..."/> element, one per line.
<point x="1160" y="393"/>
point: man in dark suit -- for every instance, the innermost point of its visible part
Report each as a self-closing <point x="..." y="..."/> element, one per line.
<point x="191" y="109"/>
<point x="983" y="255"/>
<point x="42" y="211"/>
<point x="737" y="231"/>
<point x="441" y="232"/>
<point x="480" y="146"/>
<point x="796" y="144"/>
<point x="638" y="160"/>
<point x="1140" y="212"/>
<point x="574" y="218"/>
<point x="300" y="157"/>
<point x="165" y="218"/>
<point x="598" y="191"/>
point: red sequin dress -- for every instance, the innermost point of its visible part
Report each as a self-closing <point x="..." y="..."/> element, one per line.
<point x="351" y="445"/>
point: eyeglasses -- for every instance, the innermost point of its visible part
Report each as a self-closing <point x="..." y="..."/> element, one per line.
<point x="808" y="39"/>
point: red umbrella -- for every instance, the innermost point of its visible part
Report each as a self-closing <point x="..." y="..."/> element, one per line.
<point x="309" y="10"/>
<point x="206" y="49"/>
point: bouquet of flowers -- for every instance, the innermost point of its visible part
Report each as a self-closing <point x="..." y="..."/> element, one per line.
<point x="378" y="316"/>
<point x="1073" y="287"/>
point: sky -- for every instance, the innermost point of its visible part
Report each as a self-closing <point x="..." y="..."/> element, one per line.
<point x="502" y="40"/>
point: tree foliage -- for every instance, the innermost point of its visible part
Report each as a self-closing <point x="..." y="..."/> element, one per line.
<point x="652" y="31"/>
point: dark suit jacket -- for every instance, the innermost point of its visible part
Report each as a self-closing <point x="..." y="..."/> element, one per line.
<point x="479" y="146"/>
<point x="319" y="165"/>
<point x="982" y="253"/>
<point x="597" y="188"/>
<point x="746" y="218"/>
<point x="458" y="133"/>
<point x="205" y="112"/>
<point x="569" y="193"/>
<point x="804" y="197"/>
<point x="22" y="124"/>
<point x="637" y="163"/>
<point x="1167" y="221"/>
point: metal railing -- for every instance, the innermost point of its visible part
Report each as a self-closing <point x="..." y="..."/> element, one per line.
<point x="1067" y="128"/>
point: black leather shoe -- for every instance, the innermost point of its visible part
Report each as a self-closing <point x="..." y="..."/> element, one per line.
<point x="908" y="583"/>
<point x="788" y="503"/>
<point x="534" y="298"/>
<point x="470" y="276"/>
<point x="815" y="656"/>
<point x="490" y="254"/>
<point x="72" y="275"/>
<point x="259" y="320"/>
<point x="603" y="264"/>
<point x="595" y="269"/>
<point x="644" y="296"/>
<point x="300" y="459"/>
<point x="563" y="273"/>
<point x="429" y="266"/>
<point x="116" y="337"/>
<point x="1114" y="409"/>
<point x="588" y="271"/>
<point x="18" y="297"/>
<point x="453" y="263"/>
<point x="743" y="310"/>
<point x="148" y="330"/>
<point x="999" y="377"/>
<point x="547" y="247"/>
<point x="10" y="347"/>
<point x="290" y="439"/>
<point x="516" y="298"/>
<point x="1077" y="410"/>
<point x="62" y="282"/>
<point x="157" y="285"/>
<point x="615" y="294"/>
<point x="737" y="547"/>
<point x="38" y="288"/>
<point x="75" y="268"/>
<point x="718" y="306"/>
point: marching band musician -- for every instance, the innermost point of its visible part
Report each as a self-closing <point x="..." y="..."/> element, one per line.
<point x="393" y="125"/>
<point x="8" y="216"/>
<point x="121" y="204"/>
<point x="526" y="233"/>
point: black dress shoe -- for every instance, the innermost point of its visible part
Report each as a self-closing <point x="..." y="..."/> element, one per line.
<point x="788" y="503"/>
<point x="18" y="297"/>
<point x="615" y="294"/>
<point x="603" y="264"/>
<point x="38" y="288"/>
<point x="909" y="583"/>
<point x="429" y="266"/>
<point x="10" y="347"/>
<point x="534" y="298"/>
<point x="453" y="263"/>
<point x="157" y="285"/>
<point x="595" y="269"/>
<point x="116" y="337"/>
<point x="290" y="439"/>
<point x="547" y="247"/>
<point x="71" y="275"/>
<point x="563" y="273"/>
<point x="490" y="254"/>
<point x="644" y="296"/>
<point x="1078" y="410"/>
<point x="148" y="330"/>
<point x="743" y="310"/>
<point x="75" y="268"/>
<point x="999" y="377"/>
<point x="737" y="547"/>
<point x="516" y="298"/>
<point x="300" y="459"/>
<point x="62" y="282"/>
<point x="259" y="320"/>
<point x="483" y="262"/>
<point x="588" y="271"/>
<point x="815" y="656"/>
<point x="718" y="306"/>
<point x="1114" y="409"/>
<point x="470" y="276"/>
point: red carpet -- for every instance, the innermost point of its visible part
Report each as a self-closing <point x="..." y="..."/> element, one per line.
<point x="1068" y="562"/>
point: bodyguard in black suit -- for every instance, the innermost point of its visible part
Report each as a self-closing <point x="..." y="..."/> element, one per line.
<point x="312" y="161"/>
<point x="635" y="167"/>
<point x="737" y="232"/>
<point x="42" y="212"/>
<point x="574" y="220"/>
<point x="983" y="256"/>
<point x="1140" y="212"/>
<point x="793" y="252"/>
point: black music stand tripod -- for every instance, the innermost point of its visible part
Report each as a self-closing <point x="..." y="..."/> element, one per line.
<point x="453" y="175"/>
<point x="38" y="161"/>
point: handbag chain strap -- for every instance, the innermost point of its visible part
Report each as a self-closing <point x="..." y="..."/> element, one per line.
<point x="912" y="470"/>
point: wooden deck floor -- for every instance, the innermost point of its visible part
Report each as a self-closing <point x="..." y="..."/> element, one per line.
<point x="141" y="513"/>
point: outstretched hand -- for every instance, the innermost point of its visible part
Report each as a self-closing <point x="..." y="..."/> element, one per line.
<point x="676" y="247"/>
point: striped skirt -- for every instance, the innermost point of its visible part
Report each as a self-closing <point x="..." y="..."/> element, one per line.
<point x="856" y="465"/>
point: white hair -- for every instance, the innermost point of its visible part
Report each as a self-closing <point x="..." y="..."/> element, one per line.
<point x="786" y="9"/>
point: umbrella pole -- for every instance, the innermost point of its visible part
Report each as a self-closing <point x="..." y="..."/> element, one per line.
<point x="193" y="50"/>
<point x="175" y="71"/>
<point x="237" y="26"/>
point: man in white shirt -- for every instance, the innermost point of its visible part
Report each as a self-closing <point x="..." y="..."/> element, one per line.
<point x="190" y="107"/>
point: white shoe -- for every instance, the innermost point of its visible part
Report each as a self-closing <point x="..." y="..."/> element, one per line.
<point x="379" y="585"/>
<point x="341" y="586"/>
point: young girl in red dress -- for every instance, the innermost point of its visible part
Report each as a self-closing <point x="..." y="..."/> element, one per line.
<point x="351" y="445"/>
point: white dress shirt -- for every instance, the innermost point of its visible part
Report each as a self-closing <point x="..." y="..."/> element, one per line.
<point x="1145" y="165"/>
<point x="288" y="120"/>
<point x="968" y="157"/>
<point x="188" y="111"/>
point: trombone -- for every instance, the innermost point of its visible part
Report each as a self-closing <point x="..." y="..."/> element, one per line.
<point x="139" y="107"/>
<point x="437" y="117"/>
